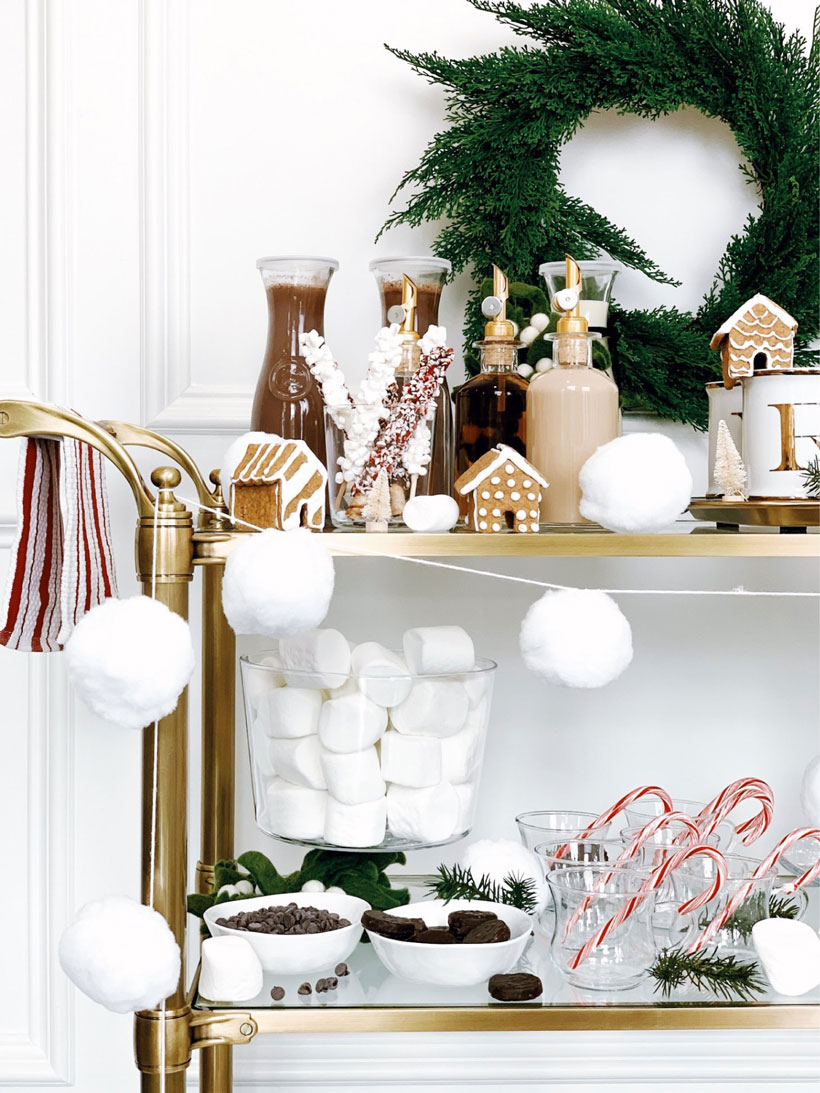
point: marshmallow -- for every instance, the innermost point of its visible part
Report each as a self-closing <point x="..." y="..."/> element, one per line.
<point x="295" y="812"/>
<point x="433" y="708"/>
<point x="435" y="513"/>
<point x="478" y="686"/>
<point x="290" y="712"/>
<point x="381" y="675"/>
<point x="262" y="757"/>
<point x="466" y="802"/>
<point x="424" y="815"/>
<point x="259" y="679"/>
<point x="411" y="760"/>
<point x="317" y="659"/>
<point x="790" y="954"/>
<point x="299" y="761"/>
<point x="230" y="970"/>
<point x="438" y="650"/>
<point x="355" y="825"/>
<point x="351" y="723"/>
<point x="461" y="753"/>
<point x="349" y="687"/>
<point x="355" y="777"/>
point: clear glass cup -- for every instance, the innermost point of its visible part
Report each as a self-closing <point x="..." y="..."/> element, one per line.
<point x="623" y="960"/>
<point x="309" y="794"/>
<point x="641" y="812"/>
<point x="346" y="507"/>
<point x="548" y="826"/>
<point x="736" y="935"/>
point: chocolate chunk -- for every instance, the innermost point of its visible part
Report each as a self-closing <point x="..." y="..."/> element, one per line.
<point x="436" y="935"/>
<point x="488" y="933"/>
<point x="321" y="986"/>
<point x="461" y="922"/>
<point x="399" y="929"/>
<point x="286" y="920"/>
<point x="305" y="988"/>
<point x="342" y="970"/>
<point x="331" y="983"/>
<point x="277" y="993"/>
<point x="518" y="987"/>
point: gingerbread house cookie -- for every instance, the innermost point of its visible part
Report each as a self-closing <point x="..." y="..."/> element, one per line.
<point x="503" y="491"/>
<point x="758" y="337"/>
<point x="276" y="483"/>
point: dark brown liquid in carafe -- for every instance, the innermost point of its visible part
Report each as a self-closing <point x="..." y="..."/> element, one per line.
<point x="288" y="400"/>
<point x="491" y="409"/>
<point x="427" y="302"/>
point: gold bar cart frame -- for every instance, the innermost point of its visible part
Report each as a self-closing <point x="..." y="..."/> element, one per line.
<point x="164" y="1040"/>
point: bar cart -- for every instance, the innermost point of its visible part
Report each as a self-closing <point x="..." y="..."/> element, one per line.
<point x="164" y="1043"/>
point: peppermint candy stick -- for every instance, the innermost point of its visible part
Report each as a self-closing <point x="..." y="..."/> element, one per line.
<point x="766" y="866"/>
<point x="653" y="882"/>
<point x="643" y="836"/>
<point x="628" y="799"/>
<point x="713" y="814"/>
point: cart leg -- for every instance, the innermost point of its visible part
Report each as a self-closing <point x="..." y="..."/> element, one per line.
<point x="216" y="1069"/>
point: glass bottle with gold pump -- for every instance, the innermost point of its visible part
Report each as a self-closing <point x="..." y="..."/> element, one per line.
<point x="491" y="407"/>
<point x="572" y="409"/>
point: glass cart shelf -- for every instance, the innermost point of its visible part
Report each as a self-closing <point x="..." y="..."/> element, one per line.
<point x="372" y="1000"/>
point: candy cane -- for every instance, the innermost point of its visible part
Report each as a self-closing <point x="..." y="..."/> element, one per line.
<point x="643" y="836"/>
<point x="712" y="815"/>
<point x="635" y="795"/>
<point x="747" y="887"/>
<point x="653" y="882"/>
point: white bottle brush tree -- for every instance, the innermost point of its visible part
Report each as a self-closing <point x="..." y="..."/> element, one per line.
<point x="377" y="509"/>
<point x="730" y="473"/>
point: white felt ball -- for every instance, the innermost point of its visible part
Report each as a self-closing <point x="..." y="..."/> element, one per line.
<point x="637" y="483"/>
<point x="528" y="335"/>
<point x="129" y="660"/>
<point x="543" y="364"/>
<point x="577" y="637"/>
<point x="121" y="954"/>
<point x="540" y="321"/>
<point x="498" y="858"/>
<point x="810" y="793"/>
<point x="439" y="512"/>
<point x="278" y="583"/>
<point x="525" y="370"/>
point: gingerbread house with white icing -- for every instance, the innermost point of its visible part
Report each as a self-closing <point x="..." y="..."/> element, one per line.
<point x="503" y="491"/>
<point x="759" y="337"/>
<point x="278" y="483"/>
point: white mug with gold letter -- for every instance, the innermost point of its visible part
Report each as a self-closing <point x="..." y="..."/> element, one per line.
<point x="780" y="430"/>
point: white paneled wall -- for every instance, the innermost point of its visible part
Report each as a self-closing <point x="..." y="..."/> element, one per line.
<point x="153" y="149"/>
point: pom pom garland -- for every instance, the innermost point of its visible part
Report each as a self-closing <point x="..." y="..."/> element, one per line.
<point x="121" y="954"/>
<point x="129" y="660"/>
<point x="576" y="637"/>
<point x="637" y="483"/>
<point x="278" y="583"/>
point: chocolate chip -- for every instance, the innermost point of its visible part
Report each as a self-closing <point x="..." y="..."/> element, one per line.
<point x="332" y="983"/>
<point x="305" y="988"/>
<point x="286" y="920"/>
<point x="277" y="993"/>
<point x="342" y="970"/>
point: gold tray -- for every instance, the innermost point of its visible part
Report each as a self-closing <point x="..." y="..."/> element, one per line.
<point x="769" y="514"/>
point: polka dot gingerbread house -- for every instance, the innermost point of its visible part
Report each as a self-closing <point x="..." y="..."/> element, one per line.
<point x="503" y="491"/>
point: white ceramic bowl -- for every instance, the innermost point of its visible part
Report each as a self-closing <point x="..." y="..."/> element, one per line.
<point x="295" y="954"/>
<point x="453" y="965"/>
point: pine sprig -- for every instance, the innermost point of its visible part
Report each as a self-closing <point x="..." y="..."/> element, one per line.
<point x="726" y="976"/>
<point x="456" y="882"/>
<point x="811" y="478"/>
<point x="752" y="911"/>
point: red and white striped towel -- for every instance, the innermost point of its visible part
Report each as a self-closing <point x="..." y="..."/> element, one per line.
<point x="61" y="564"/>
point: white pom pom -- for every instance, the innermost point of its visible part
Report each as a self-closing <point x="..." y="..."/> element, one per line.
<point x="540" y="321"/>
<point x="525" y="370"/>
<point x="576" y="637"/>
<point x="121" y="954"/>
<point x="543" y="364"/>
<point x="810" y="793"/>
<point x="438" y="512"/>
<point x="528" y="335"/>
<point x="637" y="483"/>
<point x="497" y="858"/>
<point x="278" y="583"/>
<point x="129" y="660"/>
<point x="313" y="886"/>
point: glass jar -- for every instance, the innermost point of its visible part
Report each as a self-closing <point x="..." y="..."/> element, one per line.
<point x="288" y="400"/>
<point x="428" y="275"/>
<point x="549" y="826"/>
<point x="411" y="782"/>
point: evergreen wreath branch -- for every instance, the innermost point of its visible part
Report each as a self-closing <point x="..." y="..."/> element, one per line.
<point x="494" y="173"/>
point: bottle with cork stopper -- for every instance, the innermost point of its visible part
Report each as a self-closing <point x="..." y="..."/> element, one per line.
<point x="491" y="407"/>
<point x="572" y="409"/>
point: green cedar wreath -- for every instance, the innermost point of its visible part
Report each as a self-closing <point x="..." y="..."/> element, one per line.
<point x="494" y="174"/>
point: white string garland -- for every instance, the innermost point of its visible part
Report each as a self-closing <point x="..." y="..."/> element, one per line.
<point x="340" y="546"/>
<point x="155" y="799"/>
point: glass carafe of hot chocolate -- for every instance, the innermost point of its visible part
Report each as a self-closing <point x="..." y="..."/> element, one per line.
<point x="428" y="275"/>
<point x="288" y="400"/>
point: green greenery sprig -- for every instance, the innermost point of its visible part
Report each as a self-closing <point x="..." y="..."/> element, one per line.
<point x="456" y="882"/>
<point x="728" y="977"/>
<point x="494" y="174"/>
<point x="751" y="911"/>
<point x="811" y="478"/>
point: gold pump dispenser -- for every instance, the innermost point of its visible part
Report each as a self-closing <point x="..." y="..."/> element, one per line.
<point x="410" y="349"/>
<point x="572" y="339"/>
<point x="499" y="327"/>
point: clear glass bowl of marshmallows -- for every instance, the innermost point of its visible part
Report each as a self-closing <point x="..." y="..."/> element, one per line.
<point x="359" y="747"/>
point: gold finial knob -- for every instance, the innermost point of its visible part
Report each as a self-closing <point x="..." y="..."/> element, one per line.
<point x="166" y="478"/>
<point x="214" y="478"/>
